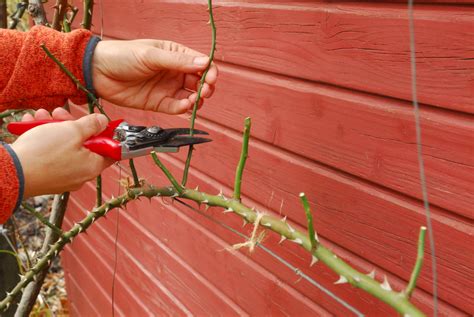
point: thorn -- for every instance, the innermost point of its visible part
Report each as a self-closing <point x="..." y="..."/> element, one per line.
<point x="283" y="238"/>
<point x="385" y="285"/>
<point x="334" y="256"/>
<point x="206" y="207"/>
<point x="357" y="279"/>
<point x="371" y="274"/>
<point x="283" y="219"/>
<point x="269" y="225"/>
<point x="221" y="194"/>
<point x="228" y="210"/>
<point x="313" y="260"/>
<point x="341" y="280"/>
<point x="290" y="228"/>
<point x="197" y="188"/>
<point x="205" y="201"/>
<point x="297" y="241"/>
<point x="245" y="222"/>
<point x="316" y="236"/>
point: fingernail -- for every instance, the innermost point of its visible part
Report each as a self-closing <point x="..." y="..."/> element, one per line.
<point x="103" y="121"/>
<point x="201" y="61"/>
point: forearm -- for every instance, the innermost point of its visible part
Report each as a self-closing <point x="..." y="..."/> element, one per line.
<point x="29" y="79"/>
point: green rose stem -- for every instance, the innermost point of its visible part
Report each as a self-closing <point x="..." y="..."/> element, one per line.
<point x="243" y="159"/>
<point x="395" y="299"/>
<point x="198" y="98"/>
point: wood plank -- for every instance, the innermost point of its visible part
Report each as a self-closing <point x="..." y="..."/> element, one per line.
<point x="146" y="214"/>
<point x="341" y="200"/>
<point x="371" y="137"/>
<point x="138" y="296"/>
<point x="89" y="290"/>
<point x="254" y="295"/>
<point x="355" y="45"/>
<point x="151" y="263"/>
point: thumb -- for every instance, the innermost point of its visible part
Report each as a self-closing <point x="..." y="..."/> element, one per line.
<point x="91" y="125"/>
<point x="178" y="61"/>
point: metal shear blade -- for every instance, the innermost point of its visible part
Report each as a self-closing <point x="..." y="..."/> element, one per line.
<point x="179" y="141"/>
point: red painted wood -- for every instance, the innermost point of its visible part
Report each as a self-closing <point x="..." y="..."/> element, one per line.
<point x="352" y="153"/>
<point x="367" y="136"/>
<point x="146" y="214"/>
<point x="136" y="295"/>
<point x="363" y="46"/>
<point x="172" y="231"/>
<point x="154" y="268"/>
<point x="353" y="213"/>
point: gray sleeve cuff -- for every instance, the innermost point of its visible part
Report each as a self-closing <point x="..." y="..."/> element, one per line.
<point x="87" y="63"/>
<point x="19" y="173"/>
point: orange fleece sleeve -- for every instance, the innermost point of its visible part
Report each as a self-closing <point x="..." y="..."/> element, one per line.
<point x="29" y="78"/>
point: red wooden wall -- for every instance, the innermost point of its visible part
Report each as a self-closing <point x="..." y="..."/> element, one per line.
<point x="327" y="85"/>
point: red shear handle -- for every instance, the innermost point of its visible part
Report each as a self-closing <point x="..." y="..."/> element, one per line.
<point x="18" y="128"/>
<point x="102" y="144"/>
<point x="105" y="146"/>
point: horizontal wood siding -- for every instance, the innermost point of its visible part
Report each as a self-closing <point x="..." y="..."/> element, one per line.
<point x="327" y="85"/>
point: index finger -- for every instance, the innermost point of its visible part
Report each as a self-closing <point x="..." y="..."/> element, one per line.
<point x="212" y="74"/>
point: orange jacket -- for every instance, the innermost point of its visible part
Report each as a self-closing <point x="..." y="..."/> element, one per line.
<point x="29" y="79"/>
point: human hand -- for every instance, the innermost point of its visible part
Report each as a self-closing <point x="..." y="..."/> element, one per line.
<point x="151" y="75"/>
<point x="42" y="114"/>
<point x="53" y="157"/>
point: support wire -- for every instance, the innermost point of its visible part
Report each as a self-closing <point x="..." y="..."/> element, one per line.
<point x="279" y="259"/>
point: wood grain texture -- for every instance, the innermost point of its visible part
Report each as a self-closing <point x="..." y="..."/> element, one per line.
<point x="351" y="213"/>
<point x="155" y="218"/>
<point x="355" y="45"/>
<point x="171" y="230"/>
<point x="162" y="220"/>
<point x="325" y="84"/>
<point x="158" y="272"/>
<point x="367" y="136"/>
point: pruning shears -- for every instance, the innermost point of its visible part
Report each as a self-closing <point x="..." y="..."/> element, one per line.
<point x="120" y="140"/>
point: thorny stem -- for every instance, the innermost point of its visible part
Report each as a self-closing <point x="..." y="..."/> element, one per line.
<point x="168" y="174"/>
<point x="418" y="264"/>
<point x="196" y="103"/>
<point x="309" y="216"/>
<point x="8" y="113"/>
<point x="98" y="187"/>
<point x="18" y="14"/>
<point x="68" y="20"/>
<point x="43" y="219"/>
<point x="395" y="299"/>
<point x="30" y="293"/>
<point x="60" y="9"/>
<point x="90" y="95"/>
<point x="136" y="181"/>
<point x="36" y="11"/>
<point x="87" y="19"/>
<point x="243" y="159"/>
